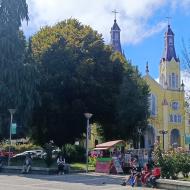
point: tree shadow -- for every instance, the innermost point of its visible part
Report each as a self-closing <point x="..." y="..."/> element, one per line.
<point x="93" y="179"/>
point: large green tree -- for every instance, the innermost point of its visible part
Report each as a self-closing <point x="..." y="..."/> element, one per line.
<point x="79" y="74"/>
<point x="16" y="76"/>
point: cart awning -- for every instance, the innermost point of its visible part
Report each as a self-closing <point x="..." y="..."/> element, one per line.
<point x="109" y="145"/>
<point x="103" y="148"/>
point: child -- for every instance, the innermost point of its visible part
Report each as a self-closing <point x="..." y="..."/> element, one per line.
<point x="132" y="178"/>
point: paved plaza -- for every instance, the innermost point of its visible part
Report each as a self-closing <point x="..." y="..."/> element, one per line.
<point x="92" y="181"/>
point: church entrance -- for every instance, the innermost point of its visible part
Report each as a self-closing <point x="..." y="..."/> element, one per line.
<point x="175" y="138"/>
<point x="149" y="137"/>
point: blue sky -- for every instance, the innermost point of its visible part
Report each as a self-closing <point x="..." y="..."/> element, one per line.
<point x="143" y="23"/>
<point x="151" y="48"/>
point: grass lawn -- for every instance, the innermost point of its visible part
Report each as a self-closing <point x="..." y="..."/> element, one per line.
<point x="184" y="179"/>
<point x="81" y="166"/>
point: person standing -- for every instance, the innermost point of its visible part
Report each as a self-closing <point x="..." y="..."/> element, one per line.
<point x="60" y="164"/>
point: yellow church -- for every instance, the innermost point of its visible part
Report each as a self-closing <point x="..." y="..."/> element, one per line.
<point x="168" y="122"/>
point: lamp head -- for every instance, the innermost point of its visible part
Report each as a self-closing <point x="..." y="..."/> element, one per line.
<point x="88" y="115"/>
<point x="12" y="111"/>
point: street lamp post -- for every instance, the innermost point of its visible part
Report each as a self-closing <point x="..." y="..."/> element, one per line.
<point x="163" y="132"/>
<point x="12" y="111"/>
<point x="88" y="116"/>
<point x="139" y="133"/>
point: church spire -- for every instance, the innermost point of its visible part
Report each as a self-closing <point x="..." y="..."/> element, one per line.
<point x="170" y="65"/>
<point x="115" y="35"/>
<point x="147" y="69"/>
<point x="169" y="49"/>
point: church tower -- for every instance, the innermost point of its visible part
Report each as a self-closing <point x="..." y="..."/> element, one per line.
<point x="169" y="65"/>
<point x="115" y="36"/>
<point x="167" y="102"/>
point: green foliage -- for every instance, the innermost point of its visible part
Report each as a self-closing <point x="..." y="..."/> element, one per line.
<point x="19" y="148"/>
<point x="172" y="163"/>
<point x="132" y="104"/>
<point x="183" y="163"/>
<point x="73" y="153"/>
<point x="78" y="74"/>
<point x="92" y="161"/>
<point x="48" y="148"/>
<point x="17" y="85"/>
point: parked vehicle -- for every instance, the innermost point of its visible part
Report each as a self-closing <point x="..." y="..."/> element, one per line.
<point x="32" y="153"/>
<point x="6" y="154"/>
<point x="39" y="153"/>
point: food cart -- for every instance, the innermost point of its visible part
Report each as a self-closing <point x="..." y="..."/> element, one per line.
<point x="110" y="156"/>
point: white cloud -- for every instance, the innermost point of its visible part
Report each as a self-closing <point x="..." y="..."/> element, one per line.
<point x="132" y="19"/>
<point x="184" y="4"/>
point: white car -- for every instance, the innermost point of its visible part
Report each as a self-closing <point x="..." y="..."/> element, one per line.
<point x="32" y="153"/>
<point x="39" y="153"/>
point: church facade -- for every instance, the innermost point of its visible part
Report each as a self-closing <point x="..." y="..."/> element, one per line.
<point x="168" y="118"/>
<point x="167" y="123"/>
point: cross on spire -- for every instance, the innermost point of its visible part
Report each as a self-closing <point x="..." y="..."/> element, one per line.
<point x="115" y="12"/>
<point x="169" y="19"/>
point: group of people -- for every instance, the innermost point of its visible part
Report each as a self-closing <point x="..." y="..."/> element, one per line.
<point x="28" y="162"/>
<point x="142" y="177"/>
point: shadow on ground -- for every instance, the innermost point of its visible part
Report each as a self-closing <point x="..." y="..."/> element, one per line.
<point x="87" y="179"/>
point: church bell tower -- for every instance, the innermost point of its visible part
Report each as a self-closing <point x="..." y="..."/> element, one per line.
<point x="115" y="35"/>
<point x="169" y="65"/>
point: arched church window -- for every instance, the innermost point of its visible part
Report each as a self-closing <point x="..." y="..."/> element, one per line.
<point x="173" y="80"/>
<point x="176" y="81"/>
<point x="175" y="118"/>
<point x="170" y="81"/>
<point x="170" y="41"/>
<point x="175" y="105"/>
<point x="153" y="105"/>
<point x="116" y="36"/>
<point x="171" y="118"/>
<point x="179" y="118"/>
<point x="175" y="137"/>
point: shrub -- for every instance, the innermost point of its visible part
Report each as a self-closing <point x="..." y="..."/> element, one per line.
<point x="20" y="147"/>
<point x="92" y="160"/>
<point x="73" y="153"/>
<point x="172" y="162"/>
<point x="48" y="148"/>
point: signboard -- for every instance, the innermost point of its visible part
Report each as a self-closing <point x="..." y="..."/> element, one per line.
<point x="13" y="128"/>
<point x="117" y="165"/>
<point x="103" y="165"/>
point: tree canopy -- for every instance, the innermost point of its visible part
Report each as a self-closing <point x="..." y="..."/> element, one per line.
<point x="16" y="76"/>
<point x="78" y="74"/>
